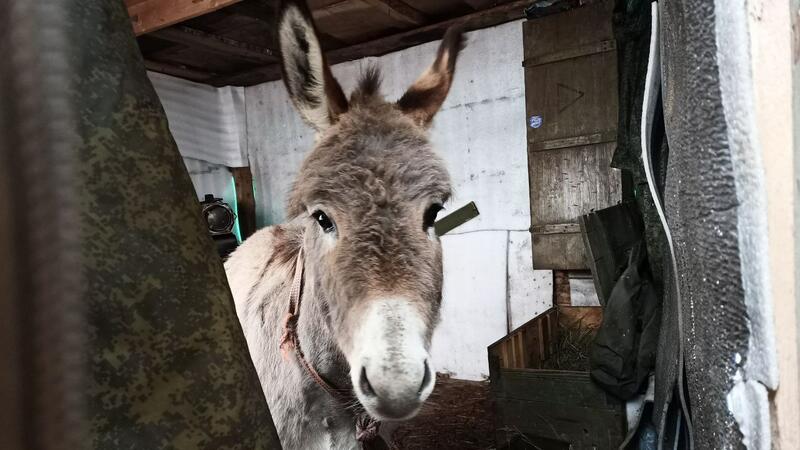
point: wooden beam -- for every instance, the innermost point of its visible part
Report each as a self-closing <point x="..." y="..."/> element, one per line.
<point x="179" y="71"/>
<point x="479" y="4"/>
<point x="217" y="44"/>
<point x="398" y="9"/>
<point x="151" y="15"/>
<point x="474" y="21"/>
<point x="245" y="200"/>
<point x="248" y="77"/>
<point x="260" y="11"/>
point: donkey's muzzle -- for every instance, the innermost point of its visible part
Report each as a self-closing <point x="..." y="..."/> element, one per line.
<point x="389" y="365"/>
<point x="394" y="397"/>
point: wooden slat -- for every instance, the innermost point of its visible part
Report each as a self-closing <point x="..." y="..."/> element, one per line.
<point x="574" y="141"/>
<point x="217" y="44"/>
<point x="571" y="53"/>
<point x="566" y="425"/>
<point x="178" y="71"/>
<point x="544" y="386"/>
<point x="482" y="19"/>
<point x="529" y="345"/>
<point x="397" y="9"/>
<point x="557" y="228"/>
<point x="456" y="218"/>
<point x="563" y="251"/>
<point x="245" y="200"/>
<point x="151" y="15"/>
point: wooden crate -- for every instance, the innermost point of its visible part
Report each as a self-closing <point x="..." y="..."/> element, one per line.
<point x="529" y="345"/>
<point x="549" y="409"/>
<point x="555" y="409"/>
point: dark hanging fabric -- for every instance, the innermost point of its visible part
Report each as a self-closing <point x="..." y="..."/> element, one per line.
<point x="623" y="353"/>
<point x="168" y="363"/>
<point x="632" y="33"/>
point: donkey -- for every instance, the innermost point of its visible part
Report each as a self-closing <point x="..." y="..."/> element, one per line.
<point x="358" y="266"/>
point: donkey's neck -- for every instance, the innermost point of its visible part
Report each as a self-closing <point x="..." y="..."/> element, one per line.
<point x="316" y="337"/>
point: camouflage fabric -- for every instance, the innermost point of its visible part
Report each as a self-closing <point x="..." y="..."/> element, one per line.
<point x="168" y="361"/>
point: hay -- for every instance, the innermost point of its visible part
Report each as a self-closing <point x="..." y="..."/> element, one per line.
<point x="458" y="415"/>
<point x="572" y="352"/>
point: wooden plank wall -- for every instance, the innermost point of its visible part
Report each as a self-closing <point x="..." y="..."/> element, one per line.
<point x="571" y="104"/>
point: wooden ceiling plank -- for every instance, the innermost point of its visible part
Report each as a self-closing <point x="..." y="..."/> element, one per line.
<point x="248" y="77"/>
<point x="218" y="44"/>
<point x="150" y="15"/>
<point x="477" y="20"/>
<point x="179" y="71"/>
<point x="479" y="4"/>
<point x="398" y="9"/>
<point x="474" y="21"/>
<point x="259" y="11"/>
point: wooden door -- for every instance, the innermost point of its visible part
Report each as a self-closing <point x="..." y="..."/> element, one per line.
<point x="571" y="104"/>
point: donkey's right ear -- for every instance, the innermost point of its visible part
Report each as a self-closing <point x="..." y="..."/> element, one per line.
<point x="424" y="98"/>
<point x="314" y="91"/>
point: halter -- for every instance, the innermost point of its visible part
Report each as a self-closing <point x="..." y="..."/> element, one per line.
<point x="366" y="427"/>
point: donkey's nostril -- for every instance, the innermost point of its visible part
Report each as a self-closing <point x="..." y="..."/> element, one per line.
<point x="363" y="382"/>
<point x="426" y="378"/>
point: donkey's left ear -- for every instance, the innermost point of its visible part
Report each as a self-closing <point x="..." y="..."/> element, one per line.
<point x="314" y="91"/>
<point x="424" y="98"/>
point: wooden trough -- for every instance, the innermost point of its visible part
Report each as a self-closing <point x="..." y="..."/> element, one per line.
<point x="548" y="409"/>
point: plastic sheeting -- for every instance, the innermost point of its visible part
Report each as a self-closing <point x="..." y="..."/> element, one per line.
<point x="209" y="178"/>
<point x="207" y="123"/>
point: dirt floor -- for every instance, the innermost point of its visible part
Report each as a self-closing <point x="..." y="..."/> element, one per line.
<point x="458" y="415"/>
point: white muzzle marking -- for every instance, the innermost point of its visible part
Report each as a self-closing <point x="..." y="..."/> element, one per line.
<point x="390" y="367"/>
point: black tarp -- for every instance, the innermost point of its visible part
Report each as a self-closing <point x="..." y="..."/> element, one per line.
<point x="623" y="353"/>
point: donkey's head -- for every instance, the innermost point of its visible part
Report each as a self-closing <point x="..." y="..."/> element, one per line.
<point x="369" y="193"/>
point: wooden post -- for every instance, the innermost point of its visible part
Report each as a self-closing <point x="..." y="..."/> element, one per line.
<point x="245" y="200"/>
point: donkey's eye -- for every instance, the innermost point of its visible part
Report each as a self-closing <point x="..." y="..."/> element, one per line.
<point x="430" y="215"/>
<point x="323" y="221"/>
